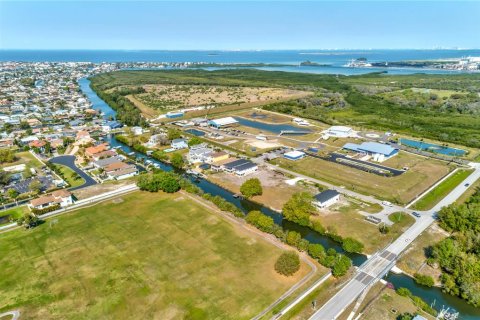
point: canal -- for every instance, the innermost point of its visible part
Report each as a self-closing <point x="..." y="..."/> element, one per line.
<point x="433" y="296"/>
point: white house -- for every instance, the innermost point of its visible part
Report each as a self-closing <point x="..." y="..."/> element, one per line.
<point x="326" y="198"/>
<point x="62" y="197"/>
<point x="178" y="144"/>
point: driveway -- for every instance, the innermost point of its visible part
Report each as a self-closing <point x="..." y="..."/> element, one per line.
<point x="69" y="161"/>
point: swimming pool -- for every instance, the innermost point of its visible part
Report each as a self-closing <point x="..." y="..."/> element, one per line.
<point x="435" y="148"/>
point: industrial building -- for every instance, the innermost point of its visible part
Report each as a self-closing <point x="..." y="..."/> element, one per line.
<point x="223" y="122"/>
<point x="294" y="155"/>
<point x="377" y="151"/>
<point x="339" y="132"/>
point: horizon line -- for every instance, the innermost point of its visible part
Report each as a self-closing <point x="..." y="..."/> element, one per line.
<point x="236" y="50"/>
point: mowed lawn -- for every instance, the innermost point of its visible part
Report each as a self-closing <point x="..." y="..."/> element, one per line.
<point x="146" y="256"/>
<point x="422" y="174"/>
<point x="68" y="174"/>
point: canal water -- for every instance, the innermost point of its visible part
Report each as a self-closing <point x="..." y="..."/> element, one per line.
<point x="430" y="295"/>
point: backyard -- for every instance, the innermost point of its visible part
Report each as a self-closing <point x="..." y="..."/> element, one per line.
<point x="140" y="256"/>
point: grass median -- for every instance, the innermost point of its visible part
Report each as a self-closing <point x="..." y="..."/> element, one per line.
<point x="442" y="190"/>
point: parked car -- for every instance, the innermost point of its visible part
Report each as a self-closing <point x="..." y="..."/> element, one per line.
<point x="416" y="214"/>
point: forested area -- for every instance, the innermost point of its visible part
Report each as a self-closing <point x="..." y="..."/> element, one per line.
<point x="127" y="112"/>
<point x="459" y="254"/>
<point x="365" y="100"/>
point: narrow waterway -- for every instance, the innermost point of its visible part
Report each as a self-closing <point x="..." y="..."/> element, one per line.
<point x="431" y="295"/>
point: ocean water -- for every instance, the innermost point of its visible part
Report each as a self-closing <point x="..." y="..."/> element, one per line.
<point x="335" y="59"/>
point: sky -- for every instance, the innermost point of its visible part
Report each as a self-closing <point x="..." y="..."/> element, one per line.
<point x="231" y="25"/>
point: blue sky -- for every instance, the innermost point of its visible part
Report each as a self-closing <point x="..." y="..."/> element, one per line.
<point x="229" y="25"/>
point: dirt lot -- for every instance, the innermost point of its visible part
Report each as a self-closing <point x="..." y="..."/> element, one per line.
<point x="100" y="188"/>
<point x="275" y="191"/>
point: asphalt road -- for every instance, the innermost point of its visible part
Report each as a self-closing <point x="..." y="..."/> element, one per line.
<point x="69" y="161"/>
<point x="380" y="263"/>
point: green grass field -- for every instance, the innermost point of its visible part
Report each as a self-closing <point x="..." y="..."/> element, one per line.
<point x="142" y="256"/>
<point x="13" y="213"/>
<point x="68" y="175"/>
<point x="442" y="190"/>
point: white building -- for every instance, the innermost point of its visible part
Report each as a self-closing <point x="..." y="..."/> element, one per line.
<point x="339" y="132"/>
<point x="326" y="198"/>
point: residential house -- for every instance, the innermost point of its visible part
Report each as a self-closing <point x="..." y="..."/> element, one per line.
<point x="62" y="197"/>
<point x="91" y="151"/>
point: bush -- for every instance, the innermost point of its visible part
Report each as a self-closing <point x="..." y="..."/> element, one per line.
<point x="404" y="292"/>
<point x="303" y="244"/>
<point x="293" y="238"/>
<point x="260" y="220"/>
<point x="299" y="208"/>
<point x="341" y="265"/>
<point x="316" y="250"/>
<point x="352" y="245"/>
<point x="39" y="212"/>
<point x="153" y="182"/>
<point x="251" y="187"/>
<point x="288" y="263"/>
<point x="424" y="280"/>
<point x="177" y="160"/>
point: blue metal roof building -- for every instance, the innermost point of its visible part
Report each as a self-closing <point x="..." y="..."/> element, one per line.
<point x="372" y="148"/>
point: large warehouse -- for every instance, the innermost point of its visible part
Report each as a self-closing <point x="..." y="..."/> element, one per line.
<point x="378" y="151"/>
<point x="223" y="122"/>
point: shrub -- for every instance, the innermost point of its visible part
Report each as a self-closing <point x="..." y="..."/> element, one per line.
<point x="404" y="292"/>
<point x="153" y="182"/>
<point x="260" y="220"/>
<point x="316" y="250"/>
<point x="293" y="238"/>
<point x="288" y="263"/>
<point x="341" y="265"/>
<point x="299" y="208"/>
<point x="352" y="245"/>
<point x="39" y="212"/>
<point x="302" y="245"/>
<point x="424" y="279"/>
<point x="251" y="187"/>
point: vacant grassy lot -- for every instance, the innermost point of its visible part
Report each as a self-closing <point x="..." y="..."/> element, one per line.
<point x="442" y="190"/>
<point x="401" y="189"/>
<point x="383" y="303"/>
<point x="349" y="223"/>
<point x="142" y="256"/>
<point x="414" y="258"/>
<point x="26" y="158"/>
<point x="69" y="176"/>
